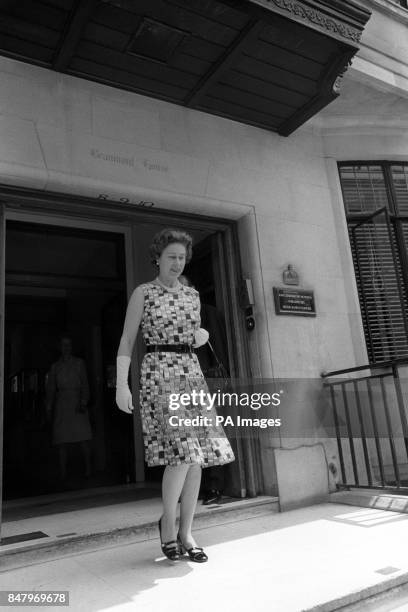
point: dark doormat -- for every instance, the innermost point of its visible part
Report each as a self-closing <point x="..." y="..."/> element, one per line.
<point x="22" y="537"/>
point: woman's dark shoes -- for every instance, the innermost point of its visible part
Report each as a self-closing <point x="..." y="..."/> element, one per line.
<point x="196" y="553"/>
<point x="170" y="549"/>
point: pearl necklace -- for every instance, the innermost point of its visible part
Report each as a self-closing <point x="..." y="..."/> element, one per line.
<point x="169" y="288"/>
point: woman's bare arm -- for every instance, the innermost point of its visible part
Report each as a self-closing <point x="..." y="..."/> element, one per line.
<point x="133" y="318"/>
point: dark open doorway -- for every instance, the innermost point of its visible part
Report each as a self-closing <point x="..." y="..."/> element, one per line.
<point x="62" y="281"/>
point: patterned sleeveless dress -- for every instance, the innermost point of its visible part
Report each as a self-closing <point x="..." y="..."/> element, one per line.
<point x="172" y="317"/>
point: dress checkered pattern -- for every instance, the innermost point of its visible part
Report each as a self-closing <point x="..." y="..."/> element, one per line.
<point x="171" y="317"/>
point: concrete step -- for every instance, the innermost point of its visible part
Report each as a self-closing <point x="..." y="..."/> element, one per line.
<point x="384" y="597"/>
<point x="46" y="549"/>
<point x="375" y="598"/>
<point x="392" y="599"/>
<point x="370" y="498"/>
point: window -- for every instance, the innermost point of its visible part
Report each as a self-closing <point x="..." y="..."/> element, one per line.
<point x="376" y="201"/>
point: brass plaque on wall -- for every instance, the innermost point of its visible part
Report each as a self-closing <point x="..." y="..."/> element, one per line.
<point x="298" y="302"/>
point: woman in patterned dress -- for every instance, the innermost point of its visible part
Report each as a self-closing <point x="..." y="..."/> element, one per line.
<point x="168" y="314"/>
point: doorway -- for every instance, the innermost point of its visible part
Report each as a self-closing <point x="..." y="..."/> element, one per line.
<point x="86" y="259"/>
<point x="71" y="282"/>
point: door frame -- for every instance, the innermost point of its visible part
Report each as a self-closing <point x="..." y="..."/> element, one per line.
<point x="2" y="310"/>
<point x="80" y="212"/>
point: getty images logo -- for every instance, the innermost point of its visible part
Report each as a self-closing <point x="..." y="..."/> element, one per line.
<point x="255" y="401"/>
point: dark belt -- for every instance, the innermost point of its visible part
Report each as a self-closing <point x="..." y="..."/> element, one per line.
<point x="169" y="348"/>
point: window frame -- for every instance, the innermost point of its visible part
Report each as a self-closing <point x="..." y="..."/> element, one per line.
<point x="396" y="219"/>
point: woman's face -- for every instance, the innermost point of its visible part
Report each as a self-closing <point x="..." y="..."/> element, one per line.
<point x="172" y="260"/>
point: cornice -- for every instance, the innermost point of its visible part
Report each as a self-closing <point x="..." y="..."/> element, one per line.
<point x="313" y="16"/>
<point x="389" y="8"/>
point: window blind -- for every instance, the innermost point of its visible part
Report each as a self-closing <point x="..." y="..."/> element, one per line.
<point x="377" y="248"/>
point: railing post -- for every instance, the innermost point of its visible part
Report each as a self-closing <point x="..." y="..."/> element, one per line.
<point x="350" y="436"/>
<point x="401" y="406"/>
<point x="376" y="437"/>
<point x="390" y="434"/>
<point x="338" y="436"/>
<point x="363" y="434"/>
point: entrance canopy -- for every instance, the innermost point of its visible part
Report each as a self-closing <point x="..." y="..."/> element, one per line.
<point x="268" y="63"/>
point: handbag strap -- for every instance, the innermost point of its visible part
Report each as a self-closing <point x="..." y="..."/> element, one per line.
<point x="214" y="353"/>
<point x="219" y="363"/>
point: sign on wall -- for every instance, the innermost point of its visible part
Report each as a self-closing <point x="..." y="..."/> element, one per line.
<point x="294" y="302"/>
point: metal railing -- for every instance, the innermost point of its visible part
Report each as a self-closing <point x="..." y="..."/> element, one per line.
<point x="370" y="424"/>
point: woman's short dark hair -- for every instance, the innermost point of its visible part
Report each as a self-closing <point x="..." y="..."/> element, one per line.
<point x="170" y="236"/>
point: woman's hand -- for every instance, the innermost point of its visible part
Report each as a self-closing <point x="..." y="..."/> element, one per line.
<point x="123" y="394"/>
<point x="133" y="318"/>
<point x="201" y="337"/>
<point x="124" y="399"/>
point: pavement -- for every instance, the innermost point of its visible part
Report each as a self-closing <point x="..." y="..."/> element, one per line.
<point x="319" y="558"/>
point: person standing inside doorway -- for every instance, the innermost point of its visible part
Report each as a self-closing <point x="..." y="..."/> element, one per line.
<point x="67" y="401"/>
<point x="169" y="315"/>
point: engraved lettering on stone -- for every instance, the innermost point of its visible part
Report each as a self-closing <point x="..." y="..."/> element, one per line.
<point x="149" y="165"/>
<point x="130" y="162"/>
<point x="113" y="158"/>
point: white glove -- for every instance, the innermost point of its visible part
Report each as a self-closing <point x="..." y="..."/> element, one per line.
<point x="123" y="394"/>
<point x="201" y="337"/>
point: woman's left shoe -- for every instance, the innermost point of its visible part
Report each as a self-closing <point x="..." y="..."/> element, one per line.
<point x="196" y="553"/>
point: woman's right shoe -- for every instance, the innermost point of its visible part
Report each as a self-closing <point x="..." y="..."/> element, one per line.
<point x="170" y="549"/>
<point x="196" y="553"/>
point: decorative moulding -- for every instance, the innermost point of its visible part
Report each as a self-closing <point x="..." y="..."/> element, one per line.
<point x="312" y="15"/>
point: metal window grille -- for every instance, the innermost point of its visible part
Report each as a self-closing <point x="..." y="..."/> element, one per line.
<point x="376" y="201"/>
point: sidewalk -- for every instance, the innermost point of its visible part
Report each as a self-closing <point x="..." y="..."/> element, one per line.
<point x="297" y="560"/>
